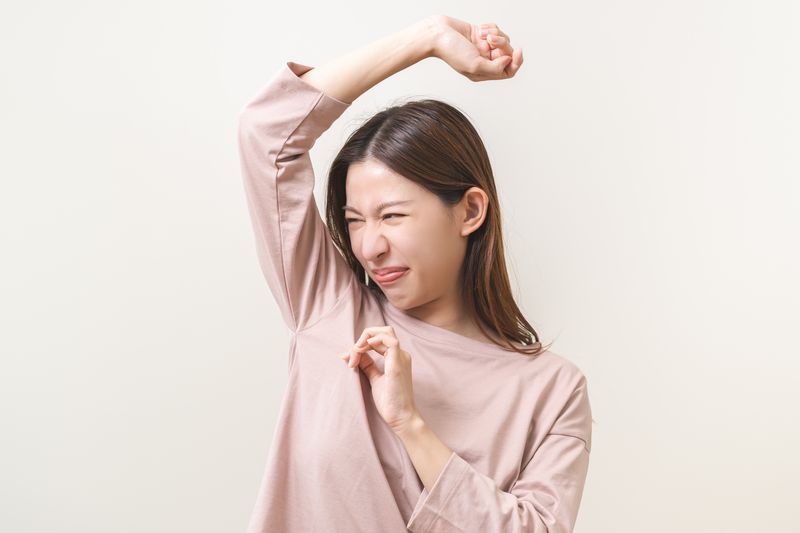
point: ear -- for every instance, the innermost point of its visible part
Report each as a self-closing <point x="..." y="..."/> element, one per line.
<point x="472" y="210"/>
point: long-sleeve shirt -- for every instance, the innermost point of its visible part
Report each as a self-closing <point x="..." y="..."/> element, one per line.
<point x="519" y="427"/>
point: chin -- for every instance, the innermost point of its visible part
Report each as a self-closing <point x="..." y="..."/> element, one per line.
<point x="398" y="302"/>
<point x="404" y="303"/>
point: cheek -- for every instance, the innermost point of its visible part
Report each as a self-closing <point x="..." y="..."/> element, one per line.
<point x="406" y="240"/>
<point x="435" y="249"/>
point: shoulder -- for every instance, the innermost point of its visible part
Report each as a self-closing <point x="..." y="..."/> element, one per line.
<point x="560" y="369"/>
<point x="571" y="394"/>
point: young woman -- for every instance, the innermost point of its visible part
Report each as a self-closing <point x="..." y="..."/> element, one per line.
<point x="487" y="430"/>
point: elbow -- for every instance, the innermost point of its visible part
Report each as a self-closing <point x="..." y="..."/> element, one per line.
<point x="252" y="114"/>
<point x="244" y="119"/>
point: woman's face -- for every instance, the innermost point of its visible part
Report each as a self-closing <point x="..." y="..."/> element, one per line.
<point x="420" y="234"/>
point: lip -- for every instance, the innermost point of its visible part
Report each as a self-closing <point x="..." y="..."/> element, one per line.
<point x="385" y="270"/>
<point x="389" y="277"/>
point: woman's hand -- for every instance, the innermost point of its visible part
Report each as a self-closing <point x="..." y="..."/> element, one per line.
<point x="478" y="51"/>
<point x="391" y="388"/>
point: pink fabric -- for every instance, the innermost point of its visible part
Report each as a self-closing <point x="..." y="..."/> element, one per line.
<point x="519" y="427"/>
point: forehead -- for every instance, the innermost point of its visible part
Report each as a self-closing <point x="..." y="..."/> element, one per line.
<point x="371" y="181"/>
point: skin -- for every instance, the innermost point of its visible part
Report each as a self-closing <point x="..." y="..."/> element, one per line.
<point x="429" y="238"/>
<point x="424" y="235"/>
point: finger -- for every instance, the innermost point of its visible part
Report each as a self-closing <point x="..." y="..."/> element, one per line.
<point x="368" y="366"/>
<point x="361" y="343"/>
<point x="377" y="344"/>
<point x="393" y="360"/>
<point x="353" y="358"/>
<point x="376" y="329"/>
<point x="492" y="69"/>
<point x="382" y="342"/>
<point x="363" y="360"/>
<point x="499" y="43"/>
<point x="357" y="352"/>
<point x="360" y="340"/>
<point x="484" y="48"/>
<point x="352" y="355"/>
<point x="369" y="332"/>
<point x="493" y="30"/>
<point x="368" y="342"/>
<point x="516" y="63"/>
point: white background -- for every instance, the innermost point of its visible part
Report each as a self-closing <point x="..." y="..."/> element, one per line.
<point x="647" y="157"/>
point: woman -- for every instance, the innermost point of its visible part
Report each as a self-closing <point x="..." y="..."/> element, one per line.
<point x="495" y="433"/>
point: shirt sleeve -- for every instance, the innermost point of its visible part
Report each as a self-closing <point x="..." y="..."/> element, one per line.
<point x="303" y="268"/>
<point x="544" y="499"/>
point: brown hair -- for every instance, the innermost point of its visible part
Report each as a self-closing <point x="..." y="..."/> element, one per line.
<point x="434" y="145"/>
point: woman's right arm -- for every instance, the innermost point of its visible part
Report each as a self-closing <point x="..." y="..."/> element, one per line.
<point x="349" y="76"/>
<point x="478" y="55"/>
<point x="305" y="272"/>
<point x="278" y="127"/>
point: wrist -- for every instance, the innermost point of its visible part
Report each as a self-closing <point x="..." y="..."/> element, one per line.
<point x="411" y="429"/>
<point x="428" y="31"/>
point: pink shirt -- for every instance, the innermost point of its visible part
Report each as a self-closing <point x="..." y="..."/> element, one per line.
<point x="519" y="427"/>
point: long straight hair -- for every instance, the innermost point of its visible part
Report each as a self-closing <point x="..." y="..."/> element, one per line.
<point x="434" y="145"/>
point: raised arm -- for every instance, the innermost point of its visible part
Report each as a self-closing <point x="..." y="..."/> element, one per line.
<point x="305" y="272"/>
<point x="467" y="48"/>
<point x="349" y="76"/>
<point x="277" y="128"/>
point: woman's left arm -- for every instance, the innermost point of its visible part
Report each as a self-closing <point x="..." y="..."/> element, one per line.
<point x="545" y="498"/>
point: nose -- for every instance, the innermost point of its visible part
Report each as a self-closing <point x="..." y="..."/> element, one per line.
<point x="373" y="242"/>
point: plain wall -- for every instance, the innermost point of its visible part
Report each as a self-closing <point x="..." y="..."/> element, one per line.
<point x="647" y="160"/>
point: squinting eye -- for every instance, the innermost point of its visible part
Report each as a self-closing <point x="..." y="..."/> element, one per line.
<point x="349" y="220"/>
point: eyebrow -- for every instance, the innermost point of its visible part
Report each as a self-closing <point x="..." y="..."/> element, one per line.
<point x="380" y="207"/>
